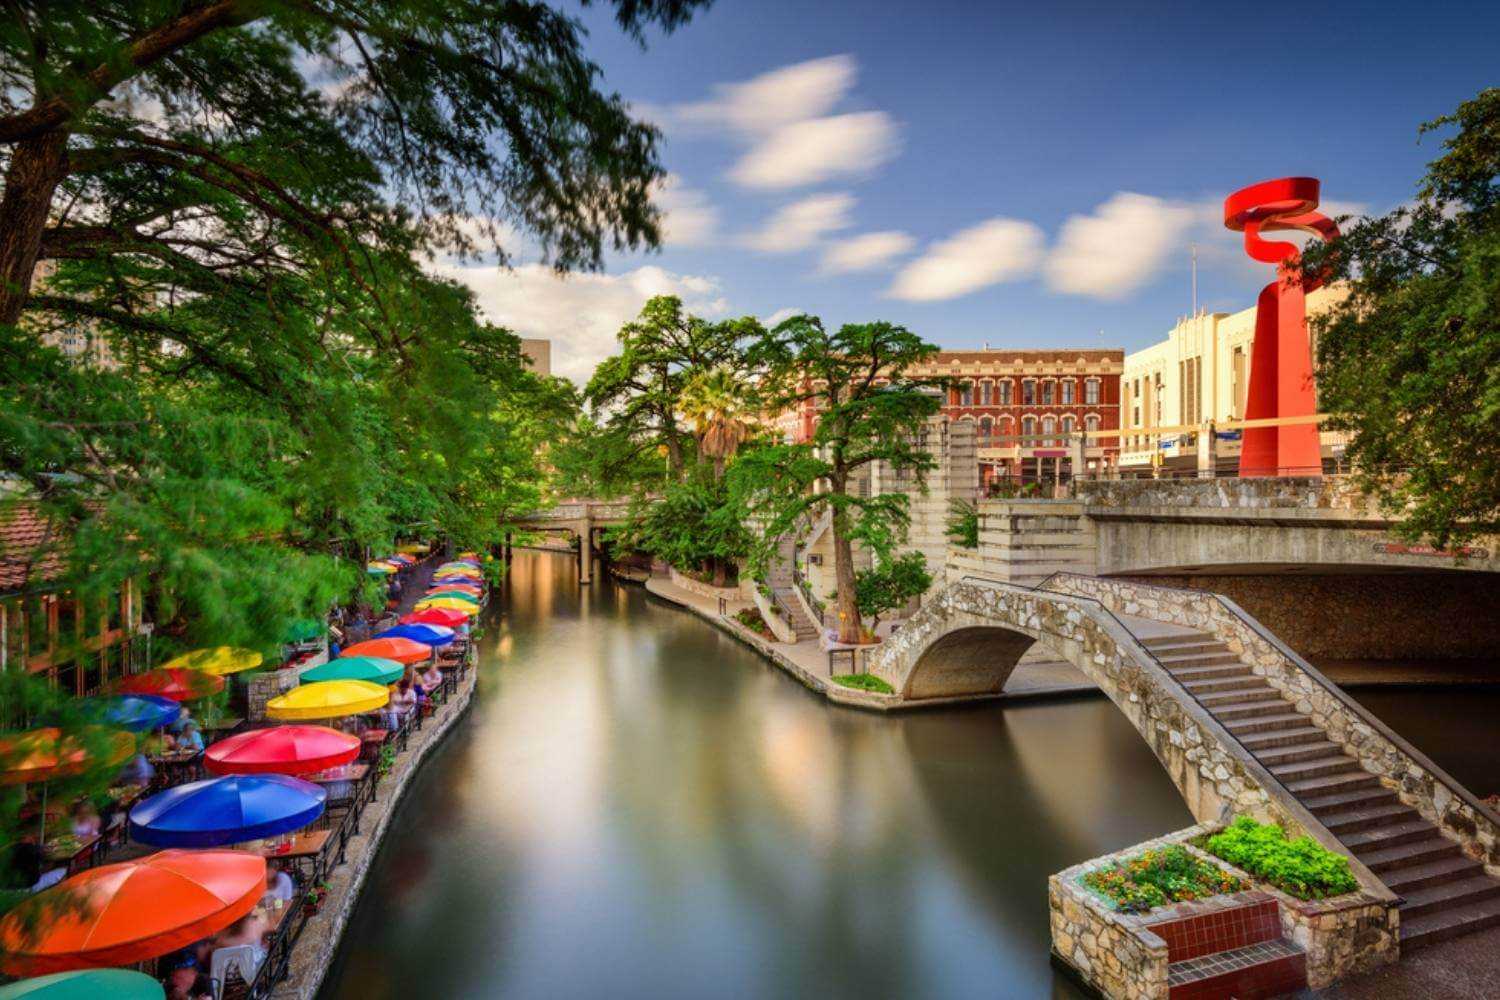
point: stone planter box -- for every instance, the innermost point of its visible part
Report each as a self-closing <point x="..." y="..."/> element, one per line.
<point x="1119" y="955"/>
<point x="708" y="590"/>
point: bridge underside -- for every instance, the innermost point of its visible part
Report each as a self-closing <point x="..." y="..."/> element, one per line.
<point x="969" y="661"/>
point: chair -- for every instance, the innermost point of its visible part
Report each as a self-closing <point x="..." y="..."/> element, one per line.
<point x="232" y="970"/>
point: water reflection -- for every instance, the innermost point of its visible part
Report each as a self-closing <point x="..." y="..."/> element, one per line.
<point x="640" y="807"/>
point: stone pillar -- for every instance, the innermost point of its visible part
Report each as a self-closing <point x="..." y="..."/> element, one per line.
<point x="1207" y="452"/>
<point x="586" y="553"/>
<point x="1076" y="445"/>
<point x="264" y="687"/>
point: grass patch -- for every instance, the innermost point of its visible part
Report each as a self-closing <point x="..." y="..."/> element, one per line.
<point x="1158" y="877"/>
<point x="864" y="682"/>
<point x="1302" y="867"/>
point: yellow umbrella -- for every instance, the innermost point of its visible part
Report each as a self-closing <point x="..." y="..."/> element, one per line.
<point x="327" y="700"/>
<point x="217" y="660"/>
<point x="450" y="603"/>
<point x="413" y="548"/>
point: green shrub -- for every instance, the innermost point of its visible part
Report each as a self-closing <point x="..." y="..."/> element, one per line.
<point x="1302" y="867"/>
<point x="1158" y="877"/>
<point x="751" y="619"/>
<point x="864" y="682"/>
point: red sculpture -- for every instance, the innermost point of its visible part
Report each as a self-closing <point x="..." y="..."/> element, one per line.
<point x="1281" y="376"/>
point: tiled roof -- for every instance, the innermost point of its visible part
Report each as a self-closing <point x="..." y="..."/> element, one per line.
<point x="29" y="548"/>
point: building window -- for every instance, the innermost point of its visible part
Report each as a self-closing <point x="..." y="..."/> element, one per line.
<point x="1238" y="389"/>
<point x="1028" y="392"/>
<point x="986" y="392"/>
<point x="966" y="394"/>
<point x="1005" y="429"/>
<point x="1049" y="428"/>
<point x="986" y="428"/>
<point x="1068" y="393"/>
<point x="1091" y="392"/>
<point x="1067" y="426"/>
<point x="1028" y="430"/>
<point x="1091" y="422"/>
<point x="1005" y="392"/>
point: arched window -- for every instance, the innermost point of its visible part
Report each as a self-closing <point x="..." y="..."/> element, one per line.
<point x="986" y="426"/>
<point x="1048" y="392"/>
<point x="966" y="393"/>
<point x="1005" y="392"/>
<point x="1005" y="428"/>
<point x="1091" y="392"/>
<point x="1091" y="422"/>
<point x="1069" y="388"/>
<point x="986" y="392"/>
<point x="1067" y="423"/>
<point x="1049" y="428"/>
<point x="1028" y="429"/>
<point x="1028" y="392"/>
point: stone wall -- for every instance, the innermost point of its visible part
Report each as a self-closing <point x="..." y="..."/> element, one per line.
<point x="1307" y="493"/>
<point x="1110" y="951"/>
<point x="736" y="593"/>
<point x="975" y="633"/>
<point x="1415" y="779"/>
<point x="263" y="687"/>
<point x="1367" y="616"/>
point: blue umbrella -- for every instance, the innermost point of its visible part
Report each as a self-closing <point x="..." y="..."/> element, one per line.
<point x="431" y="635"/>
<point x="139" y="713"/>
<point x="226" y="810"/>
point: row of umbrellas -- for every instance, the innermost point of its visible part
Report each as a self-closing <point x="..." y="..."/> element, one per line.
<point x="131" y="911"/>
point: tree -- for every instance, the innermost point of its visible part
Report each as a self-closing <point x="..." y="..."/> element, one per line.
<point x="692" y="527"/>
<point x="870" y="409"/>
<point x="202" y="134"/>
<point x="891" y="584"/>
<point x="1409" y="363"/>
<point x="638" y="393"/>
<point x="718" y="402"/>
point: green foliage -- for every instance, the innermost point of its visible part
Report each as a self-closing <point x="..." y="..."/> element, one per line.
<point x="1410" y="361"/>
<point x="890" y="584"/>
<point x="962" y="527"/>
<point x="870" y="409"/>
<point x="864" y="682"/>
<point x="752" y="620"/>
<point x="1157" y="877"/>
<point x="689" y="526"/>
<point x="1301" y="867"/>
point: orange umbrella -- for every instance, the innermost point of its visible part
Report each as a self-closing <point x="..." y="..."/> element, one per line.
<point x="129" y="912"/>
<point x="45" y="754"/>
<point x="398" y="649"/>
<point x="176" y="683"/>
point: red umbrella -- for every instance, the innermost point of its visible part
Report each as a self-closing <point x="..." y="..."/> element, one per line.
<point x="46" y="754"/>
<point x="173" y="682"/>
<point x="281" y="750"/>
<point x="129" y="912"/>
<point x="436" y="616"/>
<point x="398" y="649"/>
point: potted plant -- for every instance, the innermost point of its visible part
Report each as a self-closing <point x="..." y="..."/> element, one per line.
<point x="312" y="901"/>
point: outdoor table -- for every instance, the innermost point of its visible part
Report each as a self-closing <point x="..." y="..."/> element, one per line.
<point x="355" y="774"/>
<point x="72" y="852"/>
<point x="306" y="853"/>
<point x="372" y="740"/>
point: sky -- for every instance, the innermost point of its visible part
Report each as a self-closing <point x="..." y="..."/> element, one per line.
<point x="1011" y="174"/>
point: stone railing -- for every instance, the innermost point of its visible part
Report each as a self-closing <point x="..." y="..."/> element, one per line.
<point x="1306" y="492"/>
<point x="1121" y="956"/>
<point x="735" y="593"/>
<point x="1419" y="782"/>
<point x="776" y="617"/>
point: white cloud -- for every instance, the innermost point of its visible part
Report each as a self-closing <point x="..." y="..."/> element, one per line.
<point x="688" y="218"/>
<point x="808" y="152"/>
<point x="865" y="252"/>
<point x="767" y="102"/>
<point x="785" y="118"/>
<point x="1119" y="247"/>
<point x="802" y="224"/>
<point x="779" y="315"/>
<point x="991" y="252"/>
<point x="580" y="313"/>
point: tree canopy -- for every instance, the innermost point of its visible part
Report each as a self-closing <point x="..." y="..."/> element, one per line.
<point x="1410" y="361"/>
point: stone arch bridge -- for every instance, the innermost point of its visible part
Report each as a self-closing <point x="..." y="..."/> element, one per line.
<point x="1240" y="722"/>
<point x="581" y="519"/>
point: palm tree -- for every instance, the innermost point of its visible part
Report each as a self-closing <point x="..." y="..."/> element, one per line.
<point x="716" y="402"/>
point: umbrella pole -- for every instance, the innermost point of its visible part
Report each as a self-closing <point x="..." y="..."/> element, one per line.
<point x="41" y="837"/>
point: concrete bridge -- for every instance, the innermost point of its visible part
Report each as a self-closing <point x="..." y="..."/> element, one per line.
<point x="1241" y="723"/>
<point x="579" y="519"/>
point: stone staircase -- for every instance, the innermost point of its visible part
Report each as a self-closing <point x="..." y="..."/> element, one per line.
<point x="1444" y="893"/>
<point x="1228" y="947"/>
<point x="803" y="626"/>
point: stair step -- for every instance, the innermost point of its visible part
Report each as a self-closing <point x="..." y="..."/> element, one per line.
<point x="1267" y="723"/>
<point x="1387" y="859"/>
<point x="1330" y="783"/>
<point x="1265" y="969"/>
<point x="1337" y="763"/>
<point x="1444" y="894"/>
<point x="1214" y="685"/>
<point x="1192" y="648"/>
<point x="1177" y="639"/>
<point x="1240" y="695"/>
<point x="1176" y="663"/>
<point x="1388" y="836"/>
<point x="1211" y="673"/>
<point x="1296" y="736"/>
<point x="1350" y="820"/>
<point x="1274" y="756"/>
<point x="1449" y="922"/>
<point x="1255" y="709"/>
<point x="1405" y="881"/>
<point x="1359" y="798"/>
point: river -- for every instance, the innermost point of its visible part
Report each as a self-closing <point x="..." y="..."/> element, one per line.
<point x="639" y="806"/>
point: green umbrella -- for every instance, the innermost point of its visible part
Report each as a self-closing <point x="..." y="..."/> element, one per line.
<point x="304" y="630"/>
<point x="462" y="595"/>
<point x="87" y="984"/>
<point x="374" y="669"/>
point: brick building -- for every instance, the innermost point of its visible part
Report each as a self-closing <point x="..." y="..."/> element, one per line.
<point x="1024" y="404"/>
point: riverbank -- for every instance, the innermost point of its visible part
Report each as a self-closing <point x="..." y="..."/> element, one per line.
<point x="807" y="661"/>
<point x="315" y="949"/>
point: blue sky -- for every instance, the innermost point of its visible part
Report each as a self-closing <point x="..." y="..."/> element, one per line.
<point x="1027" y="175"/>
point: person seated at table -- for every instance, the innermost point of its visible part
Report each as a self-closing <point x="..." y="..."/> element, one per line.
<point x="190" y="739"/>
<point x="279" y="885"/>
<point x="184" y="716"/>
<point x="137" y="771"/>
<point x="431" y="679"/>
<point x="403" y="700"/>
<point x="160" y="743"/>
<point x="187" y="983"/>
<point x="249" y="930"/>
<point x="86" y="821"/>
